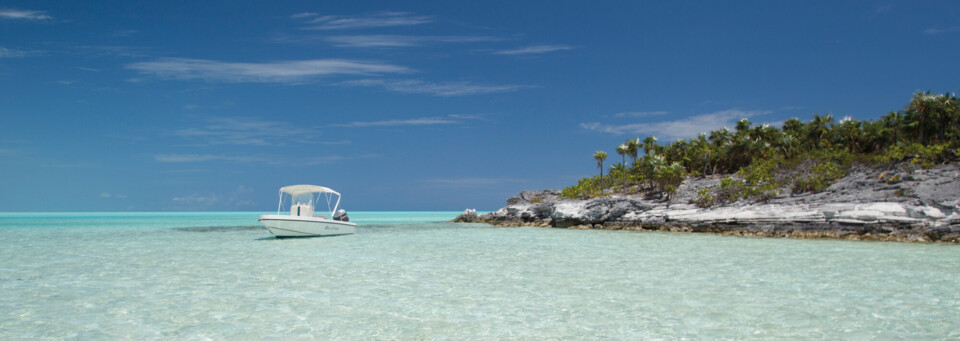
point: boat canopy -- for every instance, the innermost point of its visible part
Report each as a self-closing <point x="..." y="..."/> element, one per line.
<point x="305" y="189"/>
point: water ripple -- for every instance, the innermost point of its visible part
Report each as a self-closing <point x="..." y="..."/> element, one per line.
<point x="213" y="276"/>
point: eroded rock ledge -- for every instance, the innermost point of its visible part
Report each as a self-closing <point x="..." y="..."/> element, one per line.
<point x="922" y="207"/>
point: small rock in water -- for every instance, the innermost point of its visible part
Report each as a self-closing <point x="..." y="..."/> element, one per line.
<point x="468" y="216"/>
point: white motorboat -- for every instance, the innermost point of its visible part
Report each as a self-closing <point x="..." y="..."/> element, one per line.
<point x="302" y="221"/>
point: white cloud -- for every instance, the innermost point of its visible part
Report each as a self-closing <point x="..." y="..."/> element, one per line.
<point x="470" y="182"/>
<point x="19" y="14"/>
<point x="178" y="158"/>
<point x="110" y="51"/>
<point x="273" y="160"/>
<point x="197" y="199"/>
<point x="303" y="15"/>
<point x="14" y="53"/>
<point x="466" y="117"/>
<point x="536" y="49"/>
<point x="108" y="195"/>
<point x="329" y="143"/>
<point x="684" y="128"/>
<point x="938" y="30"/>
<point x="401" y="40"/>
<point x="313" y="21"/>
<point x="437" y="89"/>
<point x="241" y="197"/>
<point x="249" y="131"/>
<point x="640" y="113"/>
<point x="451" y="119"/>
<point x="272" y="72"/>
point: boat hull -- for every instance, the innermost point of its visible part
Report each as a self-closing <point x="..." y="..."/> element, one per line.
<point x="284" y="226"/>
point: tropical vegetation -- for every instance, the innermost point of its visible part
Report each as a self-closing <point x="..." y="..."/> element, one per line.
<point x="759" y="162"/>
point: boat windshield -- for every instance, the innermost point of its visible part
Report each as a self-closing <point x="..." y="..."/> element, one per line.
<point x="303" y="198"/>
<point x="314" y="200"/>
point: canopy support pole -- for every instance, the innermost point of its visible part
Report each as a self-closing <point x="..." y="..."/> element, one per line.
<point x="280" y="204"/>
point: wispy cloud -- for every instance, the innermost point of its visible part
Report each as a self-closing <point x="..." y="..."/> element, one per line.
<point x="241" y="197"/>
<point x="470" y="182"/>
<point x="422" y="121"/>
<point x="401" y="40"/>
<point x="110" y="51"/>
<point x="15" y="53"/>
<point x="686" y="127"/>
<point x="69" y="164"/>
<point x="197" y="199"/>
<point x="536" y="49"/>
<point x="178" y="158"/>
<point x="304" y="15"/>
<point x="437" y="89"/>
<point x="272" y="72"/>
<point x="883" y="8"/>
<point x="274" y="160"/>
<point x="939" y="30"/>
<point x="249" y="132"/>
<point x="19" y="14"/>
<point x="124" y="33"/>
<point x="314" y="21"/>
<point x="115" y="195"/>
<point x="636" y="114"/>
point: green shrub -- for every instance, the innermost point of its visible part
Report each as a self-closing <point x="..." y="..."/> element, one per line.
<point x="918" y="154"/>
<point x="821" y="169"/>
<point x="585" y="188"/>
<point x="669" y="177"/>
<point x="760" y="179"/>
<point x="730" y="190"/>
<point x="705" y="197"/>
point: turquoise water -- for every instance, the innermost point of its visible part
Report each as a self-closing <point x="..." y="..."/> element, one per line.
<point x="410" y="275"/>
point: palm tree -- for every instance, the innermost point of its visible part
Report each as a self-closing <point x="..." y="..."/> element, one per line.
<point x="793" y="127"/>
<point x="649" y="144"/>
<point x="700" y="152"/>
<point x="633" y="147"/>
<point x="875" y="135"/>
<point x="893" y="121"/>
<point x="851" y="133"/>
<point x="614" y="168"/>
<point x="623" y="150"/>
<point x="721" y="143"/>
<point x="949" y="110"/>
<point x="927" y="106"/>
<point x="743" y="126"/>
<point x="600" y="156"/>
<point x="819" y="127"/>
<point x="919" y="109"/>
<point x="786" y="146"/>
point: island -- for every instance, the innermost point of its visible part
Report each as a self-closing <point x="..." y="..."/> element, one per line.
<point x="892" y="179"/>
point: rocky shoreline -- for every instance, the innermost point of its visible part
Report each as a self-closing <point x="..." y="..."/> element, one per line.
<point x="898" y="204"/>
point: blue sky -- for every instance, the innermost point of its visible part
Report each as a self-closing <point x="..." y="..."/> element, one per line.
<point x="416" y="105"/>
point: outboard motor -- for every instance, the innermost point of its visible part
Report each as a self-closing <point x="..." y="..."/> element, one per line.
<point x="341" y="215"/>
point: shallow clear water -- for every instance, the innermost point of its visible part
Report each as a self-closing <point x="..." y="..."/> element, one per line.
<point x="410" y="275"/>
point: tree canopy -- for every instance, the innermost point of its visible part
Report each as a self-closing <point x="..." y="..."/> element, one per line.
<point x="926" y="131"/>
